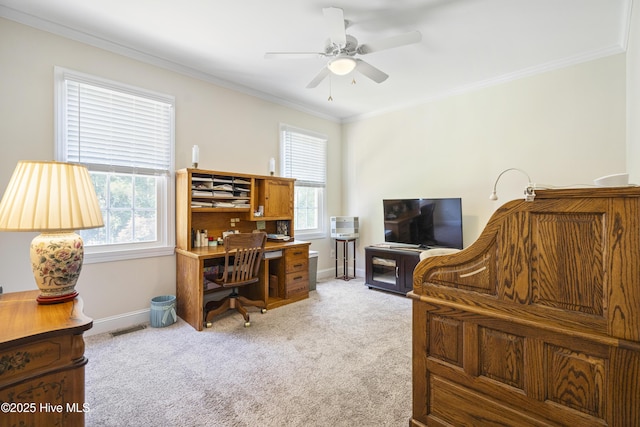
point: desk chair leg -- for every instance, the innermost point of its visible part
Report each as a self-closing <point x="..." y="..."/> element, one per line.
<point x="253" y="303"/>
<point x="234" y="302"/>
<point x="213" y="308"/>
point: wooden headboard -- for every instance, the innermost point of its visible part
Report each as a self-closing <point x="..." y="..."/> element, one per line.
<point x="538" y="321"/>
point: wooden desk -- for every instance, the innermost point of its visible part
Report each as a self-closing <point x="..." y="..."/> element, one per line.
<point x="291" y="269"/>
<point x="537" y="323"/>
<point x="41" y="361"/>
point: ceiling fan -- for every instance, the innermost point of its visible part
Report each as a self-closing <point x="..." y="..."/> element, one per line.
<point x="342" y="49"/>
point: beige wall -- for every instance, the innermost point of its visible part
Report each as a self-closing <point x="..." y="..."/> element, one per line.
<point x="235" y="132"/>
<point x="563" y="127"/>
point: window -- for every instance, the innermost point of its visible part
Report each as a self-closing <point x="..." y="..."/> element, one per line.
<point x="304" y="157"/>
<point x="125" y="137"/>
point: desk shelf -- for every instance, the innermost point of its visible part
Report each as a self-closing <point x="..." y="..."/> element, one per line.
<point x="247" y="201"/>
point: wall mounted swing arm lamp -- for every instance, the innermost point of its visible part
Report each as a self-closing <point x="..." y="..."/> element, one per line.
<point x="529" y="191"/>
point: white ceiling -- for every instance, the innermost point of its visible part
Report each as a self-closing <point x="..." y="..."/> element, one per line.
<point x="465" y="43"/>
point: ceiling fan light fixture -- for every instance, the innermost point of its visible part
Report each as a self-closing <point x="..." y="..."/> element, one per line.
<point x="342" y="65"/>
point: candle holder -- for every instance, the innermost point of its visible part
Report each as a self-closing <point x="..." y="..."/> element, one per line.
<point x="195" y="156"/>
<point x="272" y="166"/>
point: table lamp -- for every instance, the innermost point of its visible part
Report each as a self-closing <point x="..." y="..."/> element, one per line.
<point x="55" y="198"/>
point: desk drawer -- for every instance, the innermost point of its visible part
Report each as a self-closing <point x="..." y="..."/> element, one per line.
<point x="297" y="283"/>
<point x="296" y="259"/>
<point x="35" y="358"/>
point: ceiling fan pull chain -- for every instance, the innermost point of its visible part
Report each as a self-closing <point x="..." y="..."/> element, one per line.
<point x="330" y="97"/>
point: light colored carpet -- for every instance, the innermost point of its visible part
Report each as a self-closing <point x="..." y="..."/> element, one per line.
<point x="340" y="358"/>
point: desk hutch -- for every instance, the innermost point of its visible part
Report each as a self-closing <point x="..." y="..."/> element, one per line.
<point x="222" y="201"/>
<point x="537" y="323"/>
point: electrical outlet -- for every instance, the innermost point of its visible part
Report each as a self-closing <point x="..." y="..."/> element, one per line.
<point x="332" y="254"/>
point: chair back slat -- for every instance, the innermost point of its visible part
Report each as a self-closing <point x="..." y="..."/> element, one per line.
<point x="243" y="254"/>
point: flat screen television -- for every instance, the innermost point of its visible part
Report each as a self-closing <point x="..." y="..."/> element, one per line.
<point x="423" y="223"/>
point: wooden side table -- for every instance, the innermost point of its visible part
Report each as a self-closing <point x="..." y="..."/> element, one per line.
<point x="345" y="258"/>
<point x="42" y="361"/>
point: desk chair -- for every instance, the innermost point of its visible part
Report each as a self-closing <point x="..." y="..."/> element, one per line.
<point x="243" y="254"/>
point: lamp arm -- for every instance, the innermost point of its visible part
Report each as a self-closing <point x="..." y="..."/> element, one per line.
<point x="529" y="191"/>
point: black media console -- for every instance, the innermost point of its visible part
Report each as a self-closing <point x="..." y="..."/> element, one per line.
<point x="390" y="268"/>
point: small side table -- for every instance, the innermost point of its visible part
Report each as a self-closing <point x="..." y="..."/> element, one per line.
<point x="345" y="258"/>
<point x="42" y="361"/>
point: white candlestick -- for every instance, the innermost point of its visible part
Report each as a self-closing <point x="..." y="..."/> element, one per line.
<point x="272" y="166"/>
<point x="195" y="155"/>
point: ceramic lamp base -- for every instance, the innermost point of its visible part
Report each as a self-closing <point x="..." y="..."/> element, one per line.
<point x="56" y="260"/>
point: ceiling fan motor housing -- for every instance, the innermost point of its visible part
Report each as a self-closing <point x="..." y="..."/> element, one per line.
<point x="349" y="49"/>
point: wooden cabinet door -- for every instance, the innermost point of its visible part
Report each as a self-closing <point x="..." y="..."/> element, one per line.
<point x="278" y="199"/>
<point x="382" y="269"/>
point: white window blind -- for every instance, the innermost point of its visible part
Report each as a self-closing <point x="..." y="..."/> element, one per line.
<point x="125" y="136"/>
<point x="114" y="131"/>
<point x="304" y="157"/>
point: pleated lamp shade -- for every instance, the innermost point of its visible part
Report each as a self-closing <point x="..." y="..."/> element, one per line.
<point x="57" y="199"/>
<point x="47" y="196"/>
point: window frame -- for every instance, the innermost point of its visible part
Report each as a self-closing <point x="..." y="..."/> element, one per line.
<point x="165" y="186"/>
<point x="322" y="231"/>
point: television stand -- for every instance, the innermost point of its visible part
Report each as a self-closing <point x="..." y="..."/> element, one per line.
<point x="390" y="267"/>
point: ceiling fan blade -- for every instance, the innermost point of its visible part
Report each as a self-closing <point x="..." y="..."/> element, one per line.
<point x="391" y="42"/>
<point x="334" y="17"/>
<point x="370" y="71"/>
<point x="293" y="55"/>
<point x="324" y="72"/>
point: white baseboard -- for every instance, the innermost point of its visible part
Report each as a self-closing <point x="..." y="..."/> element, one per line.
<point x="330" y="273"/>
<point x="121" y="321"/>
<point x="134" y="318"/>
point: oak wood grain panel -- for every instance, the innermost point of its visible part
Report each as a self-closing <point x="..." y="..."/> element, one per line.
<point x="623" y="395"/>
<point x="501" y="357"/>
<point x="445" y="339"/>
<point x="576" y="380"/>
<point x="420" y="391"/>
<point x="624" y="269"/>
<point x="459" y="406"/>
<point x="559" y="278"/>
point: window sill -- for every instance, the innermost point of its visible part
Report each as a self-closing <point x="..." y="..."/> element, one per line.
<point x="310" y="236"/>
<point x="127" y="254"/>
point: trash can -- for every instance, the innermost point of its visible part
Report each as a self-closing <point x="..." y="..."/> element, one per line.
<point x="163" y="311"/>
<point x="313" y="269"/>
